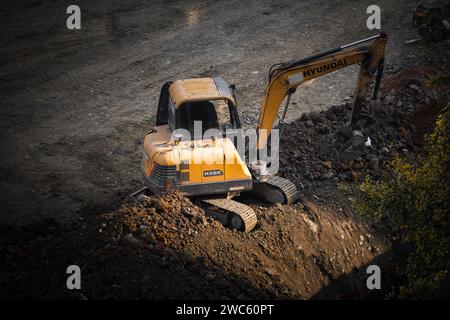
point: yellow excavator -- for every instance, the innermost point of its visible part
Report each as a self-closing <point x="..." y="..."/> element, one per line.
<point x="211" y="169"/>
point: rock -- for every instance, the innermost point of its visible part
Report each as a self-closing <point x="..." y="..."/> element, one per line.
<point x="354" y="176"/>
<point x="330" y="115"/>
<point x="309" y="123"/>
<point x="388" y="99"/>
<point x="298" y="155"/>
<point x="162" y="205"/>
<point x="327" y="164"/>
<point x="163" y="263"/>
<point x="131" y="240"/>
<point x="210" y="276"/>
<point x="344" y="167"/>
<point x="415" y="88"/>
<point x="327" y="175"/>
<point x="158" y="248"/>
<point x="357" y="165"/>
<point x="315" y="116"/>
<point x="187" y="212"/>
<point x="374" y="163"/>
<point x="312" y="225"/>
<point x="322" y="129"/>
<point x="403" y="132"/>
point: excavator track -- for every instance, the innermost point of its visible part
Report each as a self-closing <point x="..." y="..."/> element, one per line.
<point x="276" y="190"/>
<point x="232" y="214"/>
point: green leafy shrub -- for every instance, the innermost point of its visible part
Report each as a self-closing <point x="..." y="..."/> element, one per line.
<point x="413" y="207"/>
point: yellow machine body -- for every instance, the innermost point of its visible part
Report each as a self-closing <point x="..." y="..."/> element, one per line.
<point x="197" y="166"/>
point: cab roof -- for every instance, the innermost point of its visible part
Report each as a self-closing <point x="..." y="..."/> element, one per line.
<point x="199" y="89"/>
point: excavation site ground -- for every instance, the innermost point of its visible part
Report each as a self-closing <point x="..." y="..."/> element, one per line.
<point x="76" y="105"/>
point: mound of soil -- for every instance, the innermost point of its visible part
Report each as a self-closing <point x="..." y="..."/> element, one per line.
<point x="166" y="220"/>
<point x="166" y="248"/>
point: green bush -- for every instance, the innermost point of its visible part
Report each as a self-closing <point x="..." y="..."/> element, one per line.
<point x="413" y="206"/>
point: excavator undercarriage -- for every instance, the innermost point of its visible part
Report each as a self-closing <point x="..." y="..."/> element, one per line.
<point x="241" y="217"/>
<point x="236" y="215"/>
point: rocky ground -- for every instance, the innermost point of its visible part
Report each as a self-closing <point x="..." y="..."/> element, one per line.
<point x="72" y="146"/>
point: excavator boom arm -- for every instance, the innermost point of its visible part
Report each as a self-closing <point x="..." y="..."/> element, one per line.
<point x="287" y="77"/>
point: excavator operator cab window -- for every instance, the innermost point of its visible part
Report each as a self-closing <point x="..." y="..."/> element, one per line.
<point x="214" y="114"/>
<point x="224" y="120"/>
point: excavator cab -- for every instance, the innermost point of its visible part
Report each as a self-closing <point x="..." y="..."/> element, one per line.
<point x="188" y="149"/>
<point x="219" y="112"/>
<point x="215" y="114"/>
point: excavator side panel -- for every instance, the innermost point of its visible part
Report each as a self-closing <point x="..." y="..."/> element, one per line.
<point x="212" y="158"/>
<point x="235" y="167"/>
<point x="212" y="161"/>
<point x="204" y="169"/>
<point x="193" y="167"/>
<point x="190" y="171"/>
<point x="163" y="103"/>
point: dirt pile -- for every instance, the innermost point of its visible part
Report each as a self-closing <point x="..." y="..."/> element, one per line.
<point x="166" y="248"/>
<point x="293" y="252"/>
<point x="167" y="220"/>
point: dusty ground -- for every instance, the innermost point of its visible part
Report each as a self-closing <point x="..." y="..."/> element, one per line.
<point x="76" y="105"/>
